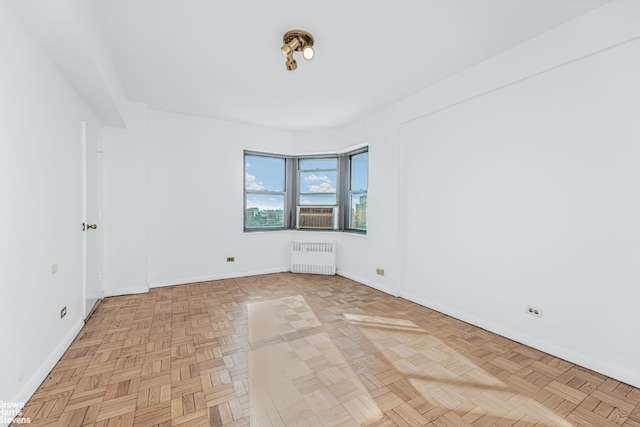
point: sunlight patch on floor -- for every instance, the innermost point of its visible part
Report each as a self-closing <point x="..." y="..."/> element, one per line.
<point x="385" y="322"/>
<point x="301" y="381"/>
<point x="446" y="378"/>
<point x="269" y="319"/>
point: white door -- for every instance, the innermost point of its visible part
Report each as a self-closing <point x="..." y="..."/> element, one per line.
<point x="92" y="215"/>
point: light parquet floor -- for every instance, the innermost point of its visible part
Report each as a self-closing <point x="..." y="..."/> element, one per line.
<point x="285" y="350"/>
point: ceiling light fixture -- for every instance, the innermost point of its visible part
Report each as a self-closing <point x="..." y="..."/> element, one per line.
<point x="297" y="40"/>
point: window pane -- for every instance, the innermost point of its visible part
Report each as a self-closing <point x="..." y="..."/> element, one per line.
<point x="317" y="182"/>
<point x="359" y="211"/>
<point x="265" y="210"/>
<point x="311" y="164"/>
<point x="318" y="199"/>
<point x="360" y="171"/>
<point x="264" y="173"/>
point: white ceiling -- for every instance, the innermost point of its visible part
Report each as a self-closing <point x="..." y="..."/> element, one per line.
<point x="222" y="59"/>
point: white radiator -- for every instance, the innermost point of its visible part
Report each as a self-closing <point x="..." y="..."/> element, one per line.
<point x="313" y="258"/>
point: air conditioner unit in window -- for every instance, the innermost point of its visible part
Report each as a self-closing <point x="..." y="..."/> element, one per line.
<point x="317" y="217"/>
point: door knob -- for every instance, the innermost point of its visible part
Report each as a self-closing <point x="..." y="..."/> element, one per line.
<point x="92" y="226"/>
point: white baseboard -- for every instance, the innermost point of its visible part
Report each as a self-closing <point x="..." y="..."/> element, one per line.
<point x="126" y="291"/>
<point x="366" y="282"/>
<point x="41" y="374"/>
<point x="232" y="275"/>
<point x="626" y="376"/>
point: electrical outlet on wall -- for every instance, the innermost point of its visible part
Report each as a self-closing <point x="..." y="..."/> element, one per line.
<point x="534" y="311"/>
<point x="231" y="259"/>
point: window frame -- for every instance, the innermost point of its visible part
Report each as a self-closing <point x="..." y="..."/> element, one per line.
<point x="292" y="188"/>
<point x="285" y="208"/>
<point x="350" y="192"/>
<point x="299" y="172"/>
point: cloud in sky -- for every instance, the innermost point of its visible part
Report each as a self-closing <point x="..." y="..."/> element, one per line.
<point x="324" y="184"/>
<point x="324" y="187"/>
<point x="314" y="177"/>
<point x="251" y="183"/>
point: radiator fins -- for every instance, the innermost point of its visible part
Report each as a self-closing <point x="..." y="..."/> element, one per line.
<point x="313" y="258"/>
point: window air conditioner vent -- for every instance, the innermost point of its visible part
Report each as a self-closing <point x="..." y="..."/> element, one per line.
<point x="317" y="217"/>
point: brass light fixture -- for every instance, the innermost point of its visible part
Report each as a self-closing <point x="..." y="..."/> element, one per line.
<point x="297" y="40"/>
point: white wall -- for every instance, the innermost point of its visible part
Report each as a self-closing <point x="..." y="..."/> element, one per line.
<point x="192" y="197"/>
<point x="526" y="196"/>
<point x="196" y="200"/>
<point x="125" y="204"/>
<point x="40" y="210"/>
<point x="518" y="181"/>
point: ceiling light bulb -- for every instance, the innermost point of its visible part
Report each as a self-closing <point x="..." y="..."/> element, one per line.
<point x="308" y="53"/>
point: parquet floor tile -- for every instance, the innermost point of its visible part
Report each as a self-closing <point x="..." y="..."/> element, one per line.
<point x="304" y="350"/>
